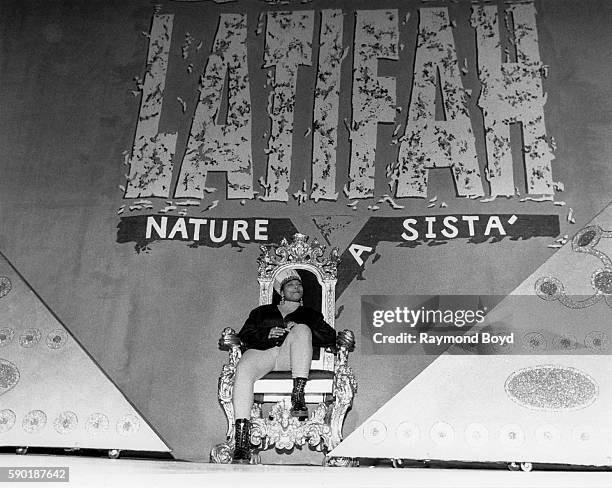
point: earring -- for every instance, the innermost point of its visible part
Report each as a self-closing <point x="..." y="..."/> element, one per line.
<point x="301" y="302"/>
<point x="282" y="300"/>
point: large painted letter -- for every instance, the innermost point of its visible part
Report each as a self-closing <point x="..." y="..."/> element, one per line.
<point x="374" y="97"/>
<point x="326" y="106"/>
<point x="151" y="161"/>
<point x="512" y="92"/>
<point x="427" y="142"/>
<point x="216" y="146"/>
<point x="288" y="45"/>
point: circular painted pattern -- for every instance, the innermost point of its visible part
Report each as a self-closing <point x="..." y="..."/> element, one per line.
<point x="551" y="388"/>
<point x="596" y="341"/>
<point x="7" y="420"/>
<point x="96" y="423"/>
<point x="34" y="421"/>
<point x="549" y="288"/>
<point x="511" y="435"/>
<point x="6" y="336"/>
<point x="5" y="286"/>
<point x="408" y="433"/>
<point x="547" y="435"/>
<point x="476" y="435"/>
<point x="534" y="342"/>
<point x="29" y="338"/>
<point x="602" y="281"/>
<point x="128" y="424"/>
<point x="565" y="343"/>
<point x="66" y="422"/>
<point x="375" y="432"/>
<point x="442" y="433"/>
<point x="9" y="376"/>
<point x="582" y="434"/>
<point x="586" y="238"/>
<point x="56" y="338"/>
<point x="589" y="236"/>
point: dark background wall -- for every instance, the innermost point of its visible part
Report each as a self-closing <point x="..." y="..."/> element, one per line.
<point x="152" y="320"/>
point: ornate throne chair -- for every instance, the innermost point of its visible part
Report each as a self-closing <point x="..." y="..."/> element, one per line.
<point x="331" y="386"/>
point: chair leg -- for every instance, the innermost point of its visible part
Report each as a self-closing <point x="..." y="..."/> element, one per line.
<point x="345" y="387"/>
<point x="222" y="453"/>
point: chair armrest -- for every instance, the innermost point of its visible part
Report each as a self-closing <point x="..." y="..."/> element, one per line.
<point x="229" y="339"/>
<point x="345" y="343"/>
<point x="345" y="340"/>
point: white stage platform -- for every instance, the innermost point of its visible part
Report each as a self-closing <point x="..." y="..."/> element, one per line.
<point x="101" y="472"/>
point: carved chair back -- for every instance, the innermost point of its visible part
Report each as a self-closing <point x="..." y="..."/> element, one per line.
<point x="306" y="255"/>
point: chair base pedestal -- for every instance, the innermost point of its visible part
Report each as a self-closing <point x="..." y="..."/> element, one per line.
<point x="282" y="431"/>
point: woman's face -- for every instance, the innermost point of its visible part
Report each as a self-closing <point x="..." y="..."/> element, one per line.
<point x="293" y="291"/>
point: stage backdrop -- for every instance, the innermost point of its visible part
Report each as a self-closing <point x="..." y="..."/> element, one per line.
<point x="446" y="147"/>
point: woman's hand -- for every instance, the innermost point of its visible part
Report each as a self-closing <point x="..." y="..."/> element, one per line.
<point x="276" y="332"/>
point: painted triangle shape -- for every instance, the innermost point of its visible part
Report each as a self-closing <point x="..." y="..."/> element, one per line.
<point x="545" y="398"/>
<point x="52" y="392"/>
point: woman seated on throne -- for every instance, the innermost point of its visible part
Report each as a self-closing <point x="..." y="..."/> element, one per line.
<point x="277" y="337"/>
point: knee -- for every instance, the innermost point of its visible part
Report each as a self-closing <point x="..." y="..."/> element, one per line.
<point x="301" y="332"/>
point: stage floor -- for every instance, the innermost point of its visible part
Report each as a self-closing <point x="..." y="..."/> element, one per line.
<point x="101" y="472"/>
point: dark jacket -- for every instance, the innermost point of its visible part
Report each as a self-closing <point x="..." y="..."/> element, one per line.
<point x="254" y="333"/>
